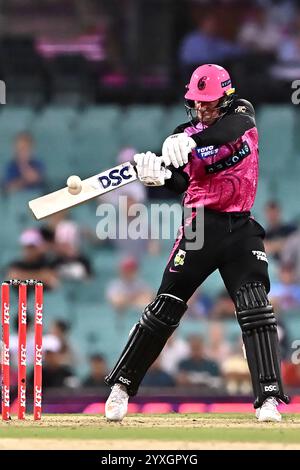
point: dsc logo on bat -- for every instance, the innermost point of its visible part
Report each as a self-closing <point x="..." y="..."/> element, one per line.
<point x="115" y="177"/>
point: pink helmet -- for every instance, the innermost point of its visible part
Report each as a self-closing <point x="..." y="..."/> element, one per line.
<point x="209" y="82"/>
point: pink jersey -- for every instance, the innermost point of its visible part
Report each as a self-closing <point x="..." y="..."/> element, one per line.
<point x="223" y="176"/>
<point x="232" y="188"/>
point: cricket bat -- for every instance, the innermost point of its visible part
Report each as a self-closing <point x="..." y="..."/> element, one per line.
<point x="90" y="188"/>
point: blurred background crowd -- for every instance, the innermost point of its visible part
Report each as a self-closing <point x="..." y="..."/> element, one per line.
<point x="127" y="51"/>
<point x="90" y="83"/>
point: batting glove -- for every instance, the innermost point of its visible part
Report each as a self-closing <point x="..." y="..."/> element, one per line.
<point x="176" y="149"/>
<point x="150" y="170"/>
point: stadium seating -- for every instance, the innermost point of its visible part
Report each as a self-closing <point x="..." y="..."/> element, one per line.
<point x="287" y="192"/>
<point x="276" y="125"/>
<point x="141" y="128"/>
<point x="174" y="116"/>
<point x="53" y="130"/>
<point x="97" y="139"/>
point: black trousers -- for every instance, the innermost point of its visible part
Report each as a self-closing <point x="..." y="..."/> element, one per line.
<point x="233" y="244"/>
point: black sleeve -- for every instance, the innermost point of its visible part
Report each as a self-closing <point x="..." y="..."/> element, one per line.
<point x="179" y="181"/>
<point x="239" y="119"/>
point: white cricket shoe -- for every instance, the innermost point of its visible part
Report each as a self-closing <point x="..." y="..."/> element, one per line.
<point x="268" y="411"/>
<point x="116" y="404"/>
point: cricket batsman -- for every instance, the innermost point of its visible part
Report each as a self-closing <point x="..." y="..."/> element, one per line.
<point x="213" y="160"/>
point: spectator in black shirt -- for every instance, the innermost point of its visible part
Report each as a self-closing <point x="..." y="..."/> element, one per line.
<point x="55" y="374"/>
<point x="69" y="264"/>
<point x="33" y="263"/>
<point x="157" y="377"/>
<point x="198" y="369"/>
<point x="98" y="371"/>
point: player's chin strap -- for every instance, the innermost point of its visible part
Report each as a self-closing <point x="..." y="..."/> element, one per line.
<point x="146" y="341"/>
<point x="259" y="328"/>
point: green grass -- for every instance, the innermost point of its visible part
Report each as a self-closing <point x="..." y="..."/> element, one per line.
<point x="214" y="427"/>
<point x="291" y="436"/>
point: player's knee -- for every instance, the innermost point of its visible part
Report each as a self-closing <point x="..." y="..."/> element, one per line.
<point x="163" y="314"/>
<point x="253" y="308"/>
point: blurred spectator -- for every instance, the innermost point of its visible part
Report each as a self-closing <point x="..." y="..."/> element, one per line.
<point x="205" y="45"/>
<point x="175" y="350"/>
<point x="198" y="368"/>
<point x="128" y="291"/>
<point x="217" y="347"/>
<point x="260" y="32"/>
<point x="290" y="255"/>
<point x="285" y="294"/>
<point x="291" y="374"/>
<point x="61" y="225"/>
<point x="276" y="230"/>
<point x="98" y="371"/>
<point x="224" y="307"/>
<point x="289" y="51"/>
<point x="54" y="373"/>
<point x="288" y="57"/>
<point x="157" y="377"/>
<point x="60" y="329"/>
<point x="25" y="171"/>
<point x="236" y="372"/>
<point x="69" y="262"/>
<point x="282" y="11"/>
<point x="33" y="263"/>
<point x="65" y="229"/>
<point x="199" y="305"/>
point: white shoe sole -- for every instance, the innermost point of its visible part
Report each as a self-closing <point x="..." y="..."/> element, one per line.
<point x="115" y="417"/>
<point x="114" y="420"/>
<point x="111" y="417"/>
<point x="265" y="417"/>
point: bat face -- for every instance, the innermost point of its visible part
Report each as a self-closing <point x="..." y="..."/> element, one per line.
<point x="91" y="187"/>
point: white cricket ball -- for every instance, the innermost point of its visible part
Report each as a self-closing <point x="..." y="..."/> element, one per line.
<point x="74" y="184"/>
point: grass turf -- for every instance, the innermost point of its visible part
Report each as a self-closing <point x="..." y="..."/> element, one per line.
<point x="193" y="427"/>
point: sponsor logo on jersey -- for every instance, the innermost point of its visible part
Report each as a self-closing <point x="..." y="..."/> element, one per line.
<point x="260" y="255"/>
<point x="179" y="258"/>
<point x="205" y="152"/>
<point x="228" y="162"/>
